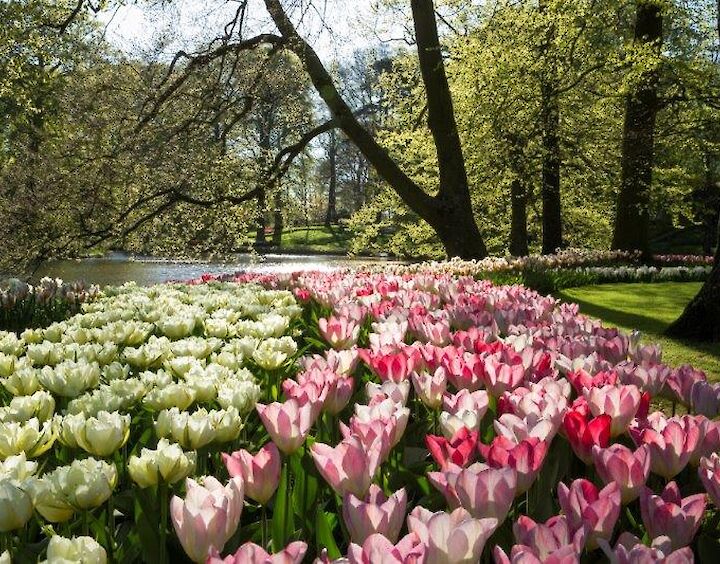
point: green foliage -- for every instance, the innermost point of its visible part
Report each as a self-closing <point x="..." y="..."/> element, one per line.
<point x="496" y="62"/>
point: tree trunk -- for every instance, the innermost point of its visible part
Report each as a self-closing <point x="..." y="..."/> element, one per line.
<point x="449" y="212"/>
<point x="263" y="183"/>
<point x="331" y="214"/>
<point x="701" y="318"/>
<point x="518" y="199"/>
<point x="518" y="219"/>
<point x="260" y="222"/>
<point x="278" y="223"/>
<point x="550" y="117"/>
<point x="632" y="220"/>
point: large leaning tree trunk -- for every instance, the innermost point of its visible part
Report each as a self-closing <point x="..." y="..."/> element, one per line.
<point x="550" y="120"/>
<point x="331" y="213"/>
<point x="632" y="219"/>
<point x="701" y="318"/>
<point x="449" y="212"/>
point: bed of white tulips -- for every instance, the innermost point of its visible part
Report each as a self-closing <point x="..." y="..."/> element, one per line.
<point x="83" y="399"/>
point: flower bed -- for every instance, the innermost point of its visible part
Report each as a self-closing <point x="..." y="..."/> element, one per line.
<point x="23" y="305"/>
<point x="571" y="268"/>
<point x="399" y="418"/>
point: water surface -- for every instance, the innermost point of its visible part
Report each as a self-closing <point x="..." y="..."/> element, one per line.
<point x="118" y="268"/>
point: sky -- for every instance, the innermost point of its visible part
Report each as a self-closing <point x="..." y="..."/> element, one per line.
<point x="342" y="27"/>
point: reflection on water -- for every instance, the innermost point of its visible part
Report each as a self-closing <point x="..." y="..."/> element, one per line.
<point x="119" y="268"/>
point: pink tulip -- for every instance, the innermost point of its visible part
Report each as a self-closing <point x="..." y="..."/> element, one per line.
<point x="705" y="398"/>
<point x="338" y="388"/>
<point x="672" y="442"/>
<point x="250" y="553"/>
<point x="450" y="425"/>
<point x="465" y="370"/>
<point x="668" y="514"/>
<point x="375" y="514"/>
<point x="648" y="377"/>
<point x="387" y="411"/>
<point x="465" y="400"/>
<point x="430" y="387"/>
<point x="521" y="554"/>
<point x="451" y="538"/>
<point x="678" y="385"/>
<point x="208" y="516"/>
<point x="376" y="434"/>
<point x="483" y="491"/>
<point x="709" y="439"/>
<point x="459" y="450"/>
<point x="311" y="392"/>
<point x="340" y="332"/>
<point x="517" y="429"/>
<point x="397" y="392"/>
<point x="501" y="377"/>
<point x="549" y="540"/>
<point x="260" y="473"/>
<point x="340" y="362"/>
<point x="587" y="507"/>
<point x="526" y="458"/>
<point x="628" y="469"/>
<point x="287" y="423"/>
<point x="621" y="403"/>
<point x="348" y="467"/>
<point x="378" y="550"/>
<point x="710" y="476"/>
<point x="629" y="550"/>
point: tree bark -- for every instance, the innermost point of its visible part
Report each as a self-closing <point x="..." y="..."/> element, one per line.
<point x="518" y="200"/>
<point x="278" y="220"/>
<point x="550" y="117"/>
<point x="260" y="221"/>
<point x="518" y="219"/>
<point x="632" y="220"/>
<point x="331" y="213"/>
<point x="701" y="319"/>
<point x="449" y="212"/>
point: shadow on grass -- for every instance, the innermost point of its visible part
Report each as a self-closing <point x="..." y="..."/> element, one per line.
<point x="703" y="355"/>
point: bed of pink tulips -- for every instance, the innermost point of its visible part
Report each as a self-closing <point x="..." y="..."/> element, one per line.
<point x="436" y="419"/>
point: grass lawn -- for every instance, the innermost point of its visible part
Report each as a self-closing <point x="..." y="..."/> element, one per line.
<point x="649" y="308"/>
<point x="315" y="238"/>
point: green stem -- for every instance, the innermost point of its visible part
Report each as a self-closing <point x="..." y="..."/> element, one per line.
<point x="263" y="526"/>
<point x="86" y="523"/>
<point x="111" y="527"/>
<point x="163" y="496"/>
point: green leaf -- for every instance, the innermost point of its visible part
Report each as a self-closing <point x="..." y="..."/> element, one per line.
<point x="283" y="520"/>
<point x="147" y="519"/>
<point x="324" y="534"/>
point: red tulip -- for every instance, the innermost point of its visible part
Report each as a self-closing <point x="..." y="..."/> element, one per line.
<point x="526" y="458"/>
<point x="459" y="450"/>
<point x="583" y="435"/>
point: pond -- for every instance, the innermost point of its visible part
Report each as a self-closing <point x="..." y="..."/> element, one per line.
<point x="118" y="268"/>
